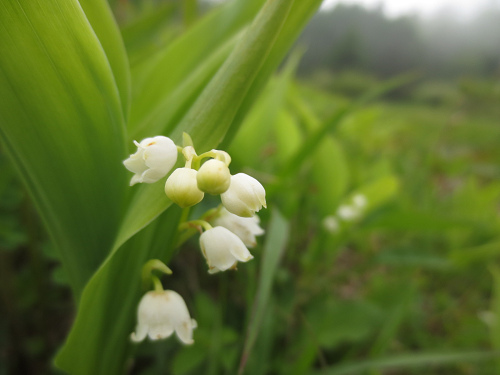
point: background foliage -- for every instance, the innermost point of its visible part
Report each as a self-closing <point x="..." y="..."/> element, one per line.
<point x="409" y="287"/>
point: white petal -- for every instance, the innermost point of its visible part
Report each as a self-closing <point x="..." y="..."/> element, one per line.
<point x="216" y="249"/>
<point x="161" y="155"/>
<point x="160" y="331"/>
<point x="136" y="178"/>
<point x="234" y="244"/>
<point x="135" y="163"/>
<point x="246" y="228"/>
<point x="245" y="195"/>
<point x="152" y="175"/>
<point x="184" y="331"/>
<point x="140" y="333"/>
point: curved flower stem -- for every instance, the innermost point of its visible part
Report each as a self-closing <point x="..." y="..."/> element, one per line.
<point x="147" y="272"/>
<point x="157" y="284"/>
<point x="195" y="223"/>
<point x="212" y="213"/>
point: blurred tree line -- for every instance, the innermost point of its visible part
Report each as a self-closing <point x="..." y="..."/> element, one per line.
<point x="350" y="37"/>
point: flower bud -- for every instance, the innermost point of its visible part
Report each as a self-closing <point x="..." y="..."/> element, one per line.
<point x="153" y="159"/>
<point x="213" y="177"/>
<point x="245" y="195"/>
<point x="222" y="249"/>
<point x="181" y="187"/>
<point x="159" y="314"/>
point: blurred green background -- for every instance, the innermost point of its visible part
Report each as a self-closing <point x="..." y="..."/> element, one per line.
<point x="403" y="110"/>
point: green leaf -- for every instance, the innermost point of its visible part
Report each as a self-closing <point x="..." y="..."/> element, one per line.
<point x="219" y="102"/>
<point x="330" y="175"/>
<point x="99" y="340"/>
<point x="161" y="74"/>
<point x="103" y="23"/>
<point x="277" y="237"/>
<point x="299" y="14"/>
<point x="62" y="126"/>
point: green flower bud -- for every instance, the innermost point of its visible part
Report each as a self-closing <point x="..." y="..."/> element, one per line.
<point x="181" y="187"/>
<point x="214" y="177"/>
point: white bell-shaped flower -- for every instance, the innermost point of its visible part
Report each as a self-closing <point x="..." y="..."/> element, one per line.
<point x="360" y="201"/>
<point x="159" y="314"/>
<point x="223" y="249"/>
<point x="246" y="228"/>
<point x="348" y="213"/>
<point x="245" y="195"/>
<point x="331" y="224"/>
<point x="214" y="177"/>
<point x="181" y="187"/>
<point x="153" y="159"/>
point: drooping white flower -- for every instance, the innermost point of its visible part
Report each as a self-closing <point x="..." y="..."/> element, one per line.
<point x="153" y="159"/>
<point x="360" y="201"/>
<point x="348" y="213"/>
<point x="181" y="187"/>
<point x="159" y="314"/>
<point x="331" y="224"/>
<point x="214" y="177"/>
<point x="222" y="249"/>
<point x="246" y="228"/>
<point x="245" y="195"/>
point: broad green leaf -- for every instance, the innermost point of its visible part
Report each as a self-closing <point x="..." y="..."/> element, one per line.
<point x="157" y="78"/>
<point x="62" y="126"/>
<point x="103" y="23"/>
<point x="256" y="133"/>
<point x="377" y="192"/>
<point x="172" y="108"/>
<point x="276" y="240"/>
<point x="330" y="175"/>
<point x="288" y="136"/>
<point x="218" y="104"/>
<point x="299" y="14"/>
<point x="148" y="33"/>
<point x="99" y="340"/>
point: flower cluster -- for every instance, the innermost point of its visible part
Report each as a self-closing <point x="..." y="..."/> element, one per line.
<point x="229" y="230"/>
<point x="346" y="213"/>
<point x="241" y="194"/>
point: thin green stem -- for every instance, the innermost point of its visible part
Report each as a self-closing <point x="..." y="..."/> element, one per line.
<point x="194" y="223"/>
<point x="157" y="284"/>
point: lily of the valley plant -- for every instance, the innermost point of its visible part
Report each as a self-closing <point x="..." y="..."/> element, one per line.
<point x="161" y="312"/>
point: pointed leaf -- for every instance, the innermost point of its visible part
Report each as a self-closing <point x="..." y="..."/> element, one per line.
<point x="62" y="125"/>
<point x="104" y="25"/>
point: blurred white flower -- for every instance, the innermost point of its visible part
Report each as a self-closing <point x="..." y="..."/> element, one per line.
<point x="245" y="196"/>
<point x="222" y="249"/>
<point x="214" y="177"/>
<point x="246" y="228"/>
<point x="159" y="314"/>
<point x="181" y="187"/>
<point x="331" y="224"/>
<point x="360" y="201"/>
<point x="488" y="317"/>
<point x="348" y="213"/>
<point x="153" y="159"/>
